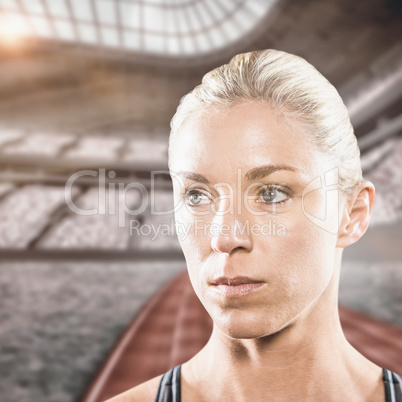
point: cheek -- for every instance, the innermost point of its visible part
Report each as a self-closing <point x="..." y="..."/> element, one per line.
<point x="302" y="260"/>
<point x="192" y="235"/>
<point x="195" y="244"/>
<point x="193" y="230"/>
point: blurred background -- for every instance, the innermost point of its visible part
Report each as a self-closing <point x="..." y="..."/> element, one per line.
<point x="90" y="86"/>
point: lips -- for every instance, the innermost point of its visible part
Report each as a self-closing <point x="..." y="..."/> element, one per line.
<point x="235" y="281"/>
<point x="238" y="286"/>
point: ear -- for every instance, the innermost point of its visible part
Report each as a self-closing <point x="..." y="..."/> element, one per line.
<point x="356" y="215"/>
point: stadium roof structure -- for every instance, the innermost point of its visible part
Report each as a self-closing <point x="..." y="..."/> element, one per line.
<point x="162" y="28"/>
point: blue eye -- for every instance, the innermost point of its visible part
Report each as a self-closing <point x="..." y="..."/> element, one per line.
<point x="196" y="198"/>
<point x="272" y="195"/>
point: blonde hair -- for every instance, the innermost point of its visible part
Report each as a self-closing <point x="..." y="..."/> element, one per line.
<point x="295" y="89"/>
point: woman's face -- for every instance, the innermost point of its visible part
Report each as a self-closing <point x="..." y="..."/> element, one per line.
<point x="255" y="258"/>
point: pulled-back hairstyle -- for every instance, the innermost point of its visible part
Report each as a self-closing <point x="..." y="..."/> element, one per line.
<point x="295" y="90"/>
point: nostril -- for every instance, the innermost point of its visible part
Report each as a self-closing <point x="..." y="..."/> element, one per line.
<point x="217" y="250"/>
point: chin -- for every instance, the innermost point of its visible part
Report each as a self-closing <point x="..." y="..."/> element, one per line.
<point x="241" y="333"/>
<point x="247" y="326"/>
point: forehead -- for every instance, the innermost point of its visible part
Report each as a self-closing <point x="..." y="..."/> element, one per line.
<point x="218" y="141"/>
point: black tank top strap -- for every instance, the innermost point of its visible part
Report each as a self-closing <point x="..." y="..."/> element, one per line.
<point x="393" y="386"/>
<point x="169" y="389"/>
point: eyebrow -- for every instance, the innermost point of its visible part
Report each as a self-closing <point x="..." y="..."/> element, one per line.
<point x="254" y="174"/>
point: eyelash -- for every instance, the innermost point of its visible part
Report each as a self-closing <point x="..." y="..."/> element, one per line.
<point x="287" y="192"/>
<point x="275" y="188"/>
<point x="188" y="193"/>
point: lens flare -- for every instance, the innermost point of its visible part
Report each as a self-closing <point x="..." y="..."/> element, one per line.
<point x="13" y="28"/>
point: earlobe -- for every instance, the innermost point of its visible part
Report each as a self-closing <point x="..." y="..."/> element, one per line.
<point x="356" y="215"/>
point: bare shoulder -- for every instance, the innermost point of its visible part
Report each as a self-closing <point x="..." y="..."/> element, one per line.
<point x="142" y="392"/>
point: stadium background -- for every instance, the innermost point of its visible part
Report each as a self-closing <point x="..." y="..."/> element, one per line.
<point x="92" y="85"/>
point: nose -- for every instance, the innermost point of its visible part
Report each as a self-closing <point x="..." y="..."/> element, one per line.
<point x="233" y="233"/>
